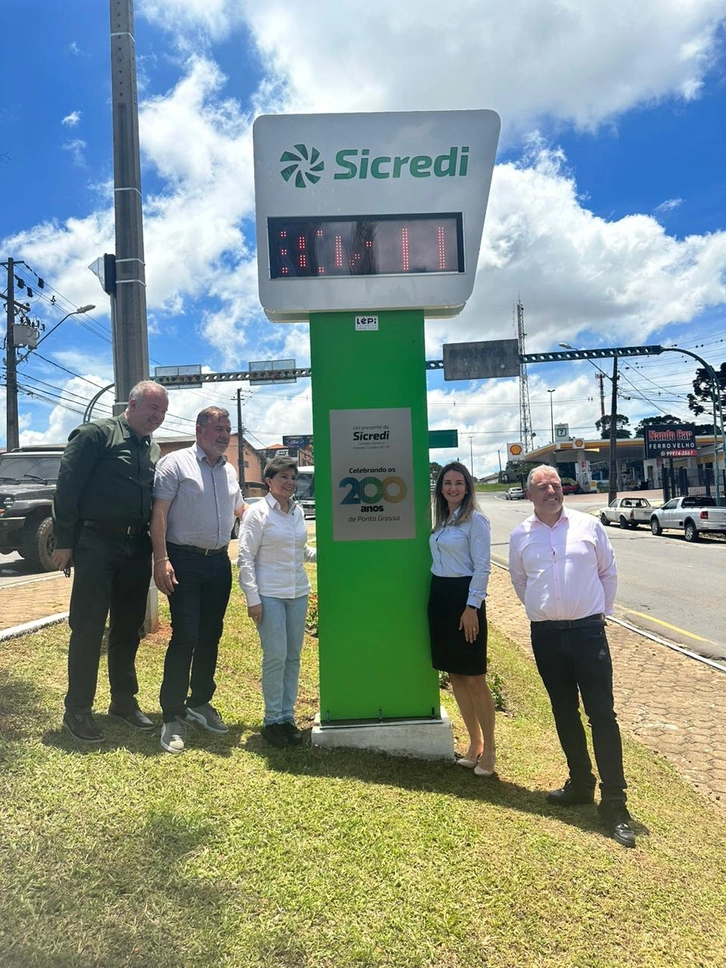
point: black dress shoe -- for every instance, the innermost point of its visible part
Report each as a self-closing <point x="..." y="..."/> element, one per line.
<point x="571" y="796"/>
<point x="294" y="735"/>
<point x="616" y="820"/>
<point x="134" y="717"/>
<point x="83" y="727"/>
<point x="276" y="735"/>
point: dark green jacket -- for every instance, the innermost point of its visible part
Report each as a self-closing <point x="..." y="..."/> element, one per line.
<point x="106" y="475"/>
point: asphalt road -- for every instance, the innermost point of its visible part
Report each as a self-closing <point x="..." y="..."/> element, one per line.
<point x="665" y="585"/>
<point x="12" y="567"/>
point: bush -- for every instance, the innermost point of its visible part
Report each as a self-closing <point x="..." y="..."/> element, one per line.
<point x="311" y="621"/>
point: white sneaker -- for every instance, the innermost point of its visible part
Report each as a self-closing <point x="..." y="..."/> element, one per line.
<point x="174" y="735"/>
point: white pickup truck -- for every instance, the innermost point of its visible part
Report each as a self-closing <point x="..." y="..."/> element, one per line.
<point x="628" y="512"/>
<point x="694" y="514"/>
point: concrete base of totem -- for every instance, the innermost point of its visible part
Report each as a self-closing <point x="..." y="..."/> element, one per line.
<point x="425" y="739"/>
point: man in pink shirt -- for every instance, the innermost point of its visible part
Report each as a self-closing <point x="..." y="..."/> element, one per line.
<point x="563" y="569"/>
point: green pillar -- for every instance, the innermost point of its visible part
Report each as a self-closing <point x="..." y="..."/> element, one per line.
<point x="372" y="582"/>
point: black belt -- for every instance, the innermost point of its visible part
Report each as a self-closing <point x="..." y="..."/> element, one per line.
<point x="112" y="528"/>
<point x="198" y="551"/>
<point x="575" y="623"/>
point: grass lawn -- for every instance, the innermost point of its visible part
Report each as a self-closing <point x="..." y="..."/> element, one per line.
<point x="235" y="855"/>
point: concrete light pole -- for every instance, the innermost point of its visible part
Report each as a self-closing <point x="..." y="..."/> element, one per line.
<point x="130" y="337"/>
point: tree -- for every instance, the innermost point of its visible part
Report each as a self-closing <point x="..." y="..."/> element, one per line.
<point x="666" y="418"/>
<point x="621" y="431"/>
<point x="701" y="400"/>
<point x="434" y="471"/>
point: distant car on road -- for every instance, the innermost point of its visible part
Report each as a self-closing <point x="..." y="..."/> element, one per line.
<point x="628" y="512"/>
<point x="515" y="494"/>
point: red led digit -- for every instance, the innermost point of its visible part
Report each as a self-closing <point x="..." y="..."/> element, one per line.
<point x="442" y="247"/>
<point x="301" y="243"/>
<point x="338" y="251"/>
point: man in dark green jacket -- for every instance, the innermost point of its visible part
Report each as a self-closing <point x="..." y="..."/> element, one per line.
<point x="101" y="517"/>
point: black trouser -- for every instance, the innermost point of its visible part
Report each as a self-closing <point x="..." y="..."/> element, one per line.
<point x="112" y="573"/>
<point x="197" y="606"/>
<point x="572" y="659"/>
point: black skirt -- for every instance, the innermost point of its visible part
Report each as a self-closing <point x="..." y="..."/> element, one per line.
<point x="450" y="652"/>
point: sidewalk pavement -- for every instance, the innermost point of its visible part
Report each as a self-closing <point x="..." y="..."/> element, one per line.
<point x="673" y="704"/>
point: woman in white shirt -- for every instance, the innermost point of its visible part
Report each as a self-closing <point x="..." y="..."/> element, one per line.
<point x="461" y="552"/>
<point x="272" y="549"/>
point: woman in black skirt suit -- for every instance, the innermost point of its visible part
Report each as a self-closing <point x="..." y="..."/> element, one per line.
<point x="461" y="552"/>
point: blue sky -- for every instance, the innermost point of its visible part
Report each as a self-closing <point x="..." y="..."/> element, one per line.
<point x="606" y="216"/>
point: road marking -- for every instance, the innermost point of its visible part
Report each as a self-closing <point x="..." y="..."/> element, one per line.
<point x="673" y="628"/>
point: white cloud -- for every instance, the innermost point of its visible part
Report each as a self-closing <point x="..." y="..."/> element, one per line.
<point x="579" y="63"/>
<point x="667" y="206"/>
<point x="72" y="119"/>
<point x="578" y="274"/>
<point x="76" y="148"/>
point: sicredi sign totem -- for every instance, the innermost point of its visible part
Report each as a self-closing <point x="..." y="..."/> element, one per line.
<point x="371" y="211"/>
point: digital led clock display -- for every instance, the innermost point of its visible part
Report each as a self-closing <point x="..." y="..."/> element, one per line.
<point x="371" y="245"/>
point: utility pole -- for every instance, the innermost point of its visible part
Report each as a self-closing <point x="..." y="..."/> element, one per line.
<point x="240" y="443"/>
<point x="552" y="417"/>
<point x="11" y="384"/>
<point x="130" y="337"/>
<point x="613" y="466"/>
<point x="601" y="380"/>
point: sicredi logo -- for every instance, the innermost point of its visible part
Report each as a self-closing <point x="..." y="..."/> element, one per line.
<point x="303" y="164"/>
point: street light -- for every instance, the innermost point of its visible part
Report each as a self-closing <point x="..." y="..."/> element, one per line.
<point x="11" y="400"/>
<point x="471" y="455"/>
<point x="552" y="416"/>
<point x="75" y="312"/>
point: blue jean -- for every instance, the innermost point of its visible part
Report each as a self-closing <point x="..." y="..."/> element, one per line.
<point x="281" y="633"/>
<point x="197" y="607"/>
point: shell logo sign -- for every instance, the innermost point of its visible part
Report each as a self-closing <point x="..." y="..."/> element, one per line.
<point x="515" y="451"/>
<point x="578" y="444"/>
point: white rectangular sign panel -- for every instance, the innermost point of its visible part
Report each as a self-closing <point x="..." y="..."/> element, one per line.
<point x="361" y="212"/>
<point x="372" y="474"/>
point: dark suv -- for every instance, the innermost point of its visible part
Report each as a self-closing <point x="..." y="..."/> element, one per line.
<point x="28" y="478"/>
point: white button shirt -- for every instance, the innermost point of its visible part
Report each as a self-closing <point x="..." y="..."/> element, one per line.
<point x="563" y="572"/>
<point x="272" y="549"/>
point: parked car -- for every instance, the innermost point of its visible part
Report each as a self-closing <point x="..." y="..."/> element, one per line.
<point x="515" y="494"/>
<point x="628" y="512"/>
<point x="694" y="514"/>
<point x="28" y="478"/>
<point x="570" y="487"/>
<point x="235" y="526"/>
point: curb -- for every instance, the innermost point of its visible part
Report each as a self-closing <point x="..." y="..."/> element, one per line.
<point x="40" y="623"/>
